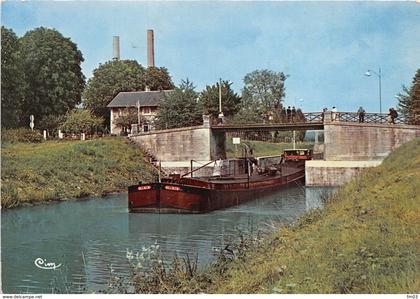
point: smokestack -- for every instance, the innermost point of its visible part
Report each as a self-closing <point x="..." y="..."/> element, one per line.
<point x="116" y="47"/>
<point x="150" y="48"/>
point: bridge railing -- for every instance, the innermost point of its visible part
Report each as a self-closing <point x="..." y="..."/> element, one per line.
<point x="317" y="118"/>
<point x="379" y="118"/>
<point x="314" y="117"/>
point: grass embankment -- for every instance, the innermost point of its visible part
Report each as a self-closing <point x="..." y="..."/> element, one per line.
<point x="54" y="170"/>
<point x="365" y="240"/>
<point x="262" y="148"/>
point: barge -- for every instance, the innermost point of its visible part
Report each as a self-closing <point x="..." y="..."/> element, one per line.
<point x="176" y="194"/>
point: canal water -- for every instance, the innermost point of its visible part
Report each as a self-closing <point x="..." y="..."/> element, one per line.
<point x="90" y="237"/>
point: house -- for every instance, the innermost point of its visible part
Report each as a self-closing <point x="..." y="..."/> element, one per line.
<point x="125" y="101"/>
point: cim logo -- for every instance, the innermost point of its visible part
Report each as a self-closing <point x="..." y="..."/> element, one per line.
<point x="42" y="264"/>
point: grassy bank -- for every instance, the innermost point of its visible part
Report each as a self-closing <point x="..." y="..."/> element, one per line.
<point x="53" y="170"/>
<point x="262" y="148"/>
<point x="365" y="240"/>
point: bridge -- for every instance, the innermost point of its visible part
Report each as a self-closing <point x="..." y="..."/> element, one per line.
<point x="312" y="121"/>
<point x="349" y="145"/>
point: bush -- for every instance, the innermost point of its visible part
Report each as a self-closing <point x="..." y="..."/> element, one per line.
<point x="21" y="135"/>
<point x="51" y="123"/>
<point x="81" y="121"/>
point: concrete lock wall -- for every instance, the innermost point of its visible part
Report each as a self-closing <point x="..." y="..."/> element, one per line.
<point x="364" y="142"/>
<point x="350" y="148"/>
<point x="218" y="145"/>
<point x="223" y="167"/>
<point x="334" y="173"/>
<point x="183" y="144"/>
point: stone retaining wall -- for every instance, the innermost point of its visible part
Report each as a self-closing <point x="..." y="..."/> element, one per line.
<point x="334" y="173"/>
<point x="364" y="142"/>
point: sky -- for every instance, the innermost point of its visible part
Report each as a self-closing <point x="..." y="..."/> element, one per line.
<point x="324" y="47"/>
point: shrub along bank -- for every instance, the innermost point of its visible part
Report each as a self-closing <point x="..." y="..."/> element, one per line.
<point x="365" y="240"/>
<point x="24" y="135"/>
<point x="54" y="170"/>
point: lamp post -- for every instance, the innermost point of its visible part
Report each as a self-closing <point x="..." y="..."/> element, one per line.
<point x="300" y="102"/>
<point x="220" y="102"/>
<point x="221" y="116"/>
<point x="138" y="116"/>
<point x="220" y="97"/>
<point x="378" y="74"/>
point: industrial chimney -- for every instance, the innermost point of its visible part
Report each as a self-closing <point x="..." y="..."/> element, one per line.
<point x="116" y="47"/>
<point x="150" y="48"/>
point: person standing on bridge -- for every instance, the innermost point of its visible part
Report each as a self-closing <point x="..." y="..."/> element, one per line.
<point x="361" y="113"/>
<point x="288" y="114"/>
<point x="293" y="114"/>
<point x="283" y="114"/>
<point x="333" y="113"/>
<point x="323" y="113"/>
<point x="393" y="114"/>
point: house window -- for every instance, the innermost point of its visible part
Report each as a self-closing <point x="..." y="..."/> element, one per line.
<point x="147" y="110"/>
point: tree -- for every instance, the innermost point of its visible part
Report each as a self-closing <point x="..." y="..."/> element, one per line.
<point x="12" y="80"/>
<point x="158" y="78"/>
<point x="248" y="114"/>
<point x="179" y="108"/>
<point x="409" y="101"/>
<point x="51" y="65"/>
<point x="264" y="91"/>
<point x="108" y="80"/>
<point x="209" y="98"/>
<point x="80" y="121"/>
<point x="116" y="76"/>
<point x="127" y="118"/>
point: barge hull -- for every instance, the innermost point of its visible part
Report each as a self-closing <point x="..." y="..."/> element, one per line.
<point x="179" y="198"/>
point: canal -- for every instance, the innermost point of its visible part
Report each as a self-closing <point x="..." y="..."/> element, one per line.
<point x="87" y="238"/>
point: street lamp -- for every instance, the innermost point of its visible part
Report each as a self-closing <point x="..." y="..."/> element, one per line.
<point x="220" y="98"/>
<point x="378" y="74"/>
<point x="300" y="102"/>
<point x="138" y="114"/>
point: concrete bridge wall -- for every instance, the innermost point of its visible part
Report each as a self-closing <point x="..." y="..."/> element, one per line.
<point x="183" y="144"/>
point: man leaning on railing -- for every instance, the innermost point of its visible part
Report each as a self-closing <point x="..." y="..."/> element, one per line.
<point x="333" y="114"/>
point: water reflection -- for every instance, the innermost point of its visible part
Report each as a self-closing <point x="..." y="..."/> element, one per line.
<point x="89" y="237"/>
